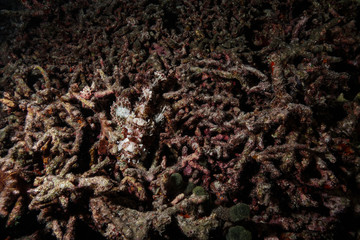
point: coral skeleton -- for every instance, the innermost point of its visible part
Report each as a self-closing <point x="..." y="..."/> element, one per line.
<point x="179" y="119"/>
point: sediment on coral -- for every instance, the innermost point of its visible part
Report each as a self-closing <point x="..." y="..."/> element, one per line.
<point x="180" y="119"/>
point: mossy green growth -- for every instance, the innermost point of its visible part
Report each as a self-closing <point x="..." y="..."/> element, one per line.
<point x="176" y="181"/>
<point x="238" y="233"/>
<point x="357" y="97"/>
<point x="341" y="98"/>
<point x="175" y="184"/>
<point x="189" y="187"/>
<point x="239" y="212"/>
<point x="199" y="191"/>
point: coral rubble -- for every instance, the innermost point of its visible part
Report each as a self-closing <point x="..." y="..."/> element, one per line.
<point x="180" y="119"/>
